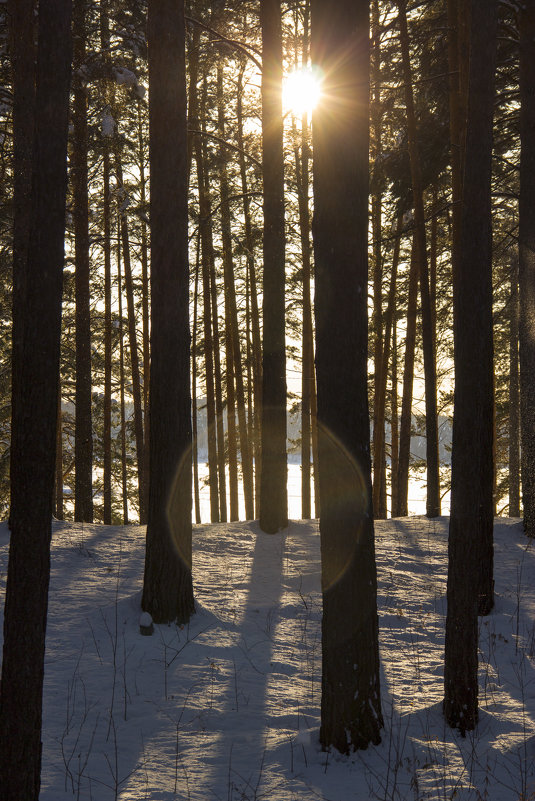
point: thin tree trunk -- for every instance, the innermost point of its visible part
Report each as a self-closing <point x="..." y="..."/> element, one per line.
<point x="194" y="411"/>
<point x="514" y="399"/>
<point x="22" y="49"/>
<point x="83" y="436"/>
<point x="394" y="430"/>
<point x="145" y="301"/>
<point x="381" y="378"/>
<point x="134" y="356"/>
<point x="527" y="263"/>
<point x="207" y="260"/>
<point x="273" y="487"/>
<point x="218" y="388"/>
<point x="253" y="295"/>
<point x="124" y="475"/>
<point x="379" y="499"/>
<point x="402" y="507"/>
<point x="59" y="510"/>
<point x="106" y="434"/>
<point x="106" y="200"/>
<point x="230" y="303"/>
<point x="431" y="424"/>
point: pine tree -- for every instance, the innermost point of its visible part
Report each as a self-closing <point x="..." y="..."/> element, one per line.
<point x="33" y="458"/>
<point x="167" y="586"/>
<point x="351" y="706"/>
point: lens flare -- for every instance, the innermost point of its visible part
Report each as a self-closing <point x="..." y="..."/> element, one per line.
<point x="302" y="90"/>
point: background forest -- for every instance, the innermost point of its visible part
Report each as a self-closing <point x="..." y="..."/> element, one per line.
<point x="105" y="340"/>
<point x="211" y="270"/>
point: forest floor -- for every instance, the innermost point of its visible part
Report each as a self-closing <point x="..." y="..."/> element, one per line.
<point x="228" y="707"/>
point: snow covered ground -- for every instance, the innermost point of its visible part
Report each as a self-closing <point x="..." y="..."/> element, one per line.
<point x="227" y="708"/>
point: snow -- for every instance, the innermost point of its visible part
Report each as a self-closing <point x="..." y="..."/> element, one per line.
<point x="229" y="707"/>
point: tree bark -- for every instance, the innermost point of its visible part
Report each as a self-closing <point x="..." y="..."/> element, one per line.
<point x="33" y="459"/>
<point x="134" y="355"/>
<point x="22" y="48"/>
<point x="350" y="707"/>
<point x="431" y="424"/>
<point x="527" y="263"/>
<point x="232" y="316"/>
<point x="167" y="584"/>
<point x="255" y="419"/>
<point x="402" y="507"/>
<point x="470" y="548"/>
<point x="273" y="489"/>
<point x="83" y="433"/>
<point x="514" y="399"/>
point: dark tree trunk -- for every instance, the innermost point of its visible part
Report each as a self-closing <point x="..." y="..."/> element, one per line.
<point x="255" y="419"/>
<point x="33" y="460"/>
<point x="514" y="399"/>
<point x="83" y="434"/>
<point x="58" y="502"/>
<point x="167" y="586"/>
<point x="134" y="356"/>
<point x="394" y="427"/>
<point x="22" y="48"/>
<point x="194" y="371"/>
<point x="401" y="509"/>
<point x="231" y="312"/>
<point x="124" y="477"/>
<point x="471" y="517"/>
<point x="106" y="245"/>
<point x="207" y="261"/>
<point x="273" y="490"/>
<point x="381" y="378"/>
<point x="527" y="262"/>
<point x="351" y="707"/>
<point x="145" y="303"/>
<point x="431" y="424"/>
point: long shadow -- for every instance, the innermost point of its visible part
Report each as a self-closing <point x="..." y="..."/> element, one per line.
<point x="238" y="754"/>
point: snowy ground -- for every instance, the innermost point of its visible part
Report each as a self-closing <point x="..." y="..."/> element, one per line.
<point x="228" y="707"/>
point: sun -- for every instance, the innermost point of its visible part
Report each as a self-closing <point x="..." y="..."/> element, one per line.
<point x="301" y="91"/>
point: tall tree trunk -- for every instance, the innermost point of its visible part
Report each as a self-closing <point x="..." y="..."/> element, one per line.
<point x="273" y="487"/>
<point x="471" y="519"/>
<point x="256" y="417"/>
<point x="83" y="434"/>
<point x="379" y="499"/>
<point x="514" y="399"/>
<point x="431" y="424"/>
<point x="22" y="49"/>
<point x="124" y="475"/>
<point x="402" y="507"/>
<point x="33" y="460"/>
<point x="207" y="259"/>
<point x="350" y="706"/>
<point x="194" y="371"/>
<point x="232" y="316"/>
<point x="59" y="509"/>
<point x="134" y="356"/>
<point x="394" y="430"/>
<point x="145" y="304"/>
<point x="106" y="433"/>
<point x="381" y="382"/>
<point x="526" y="270"/>
<point x="218" y="387"/>
<point x="167" y="584"/>
<point x="106" y="213"/>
